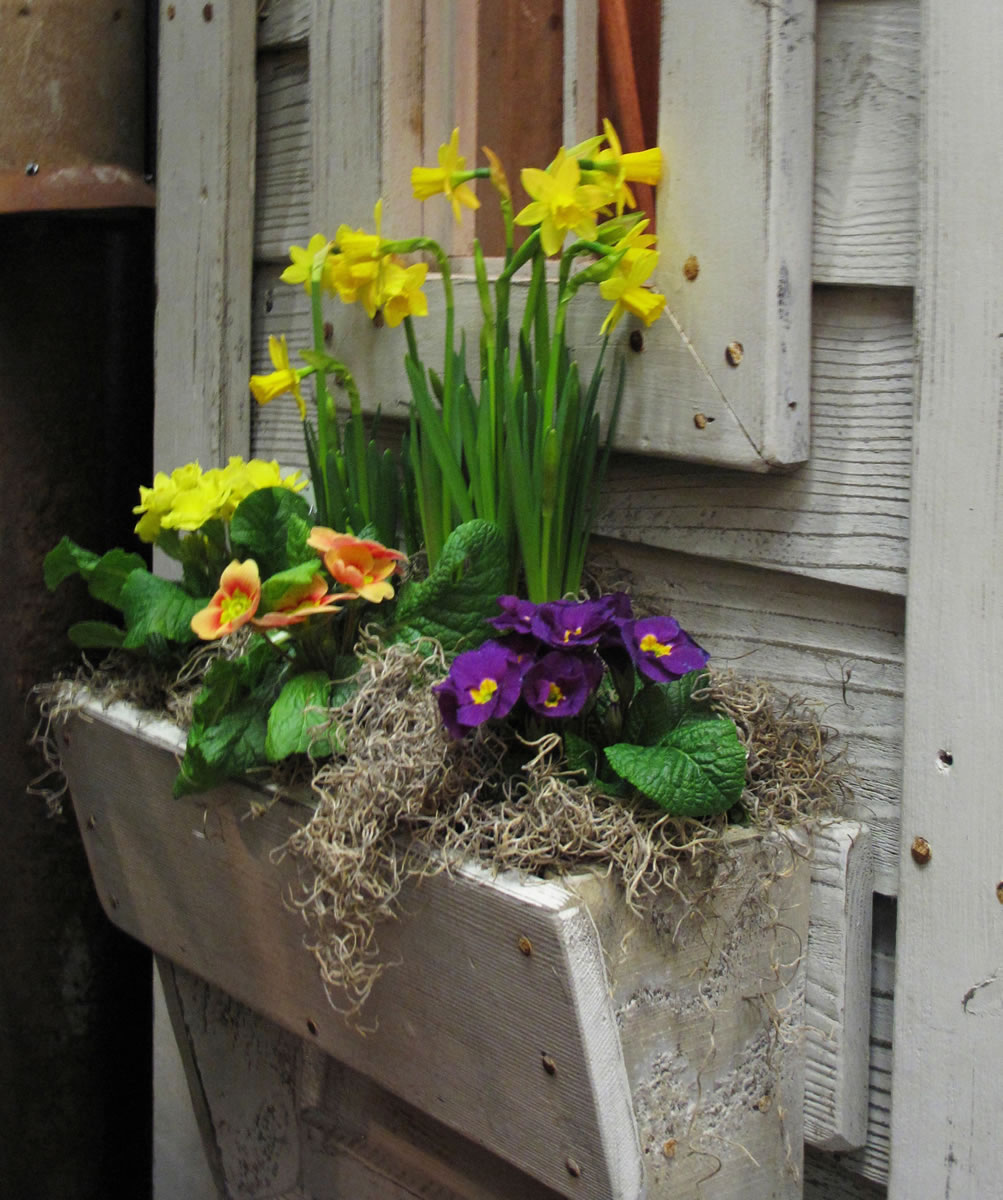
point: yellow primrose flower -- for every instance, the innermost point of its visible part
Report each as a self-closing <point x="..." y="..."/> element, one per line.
<point x="560" y="202"/>
<point x="639" y="166"/>
<point x="301" y="268"/>
<point x="625" y="288"/>
<point x="449" y="178"/>
<point x="193" y="507"/>
<point x="285" y="378"/>
<point x="154" y="502"/>
<point x="400" y="291"/>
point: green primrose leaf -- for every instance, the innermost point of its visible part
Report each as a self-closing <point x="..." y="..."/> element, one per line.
<point x="659" y="708"/>
<point x="96" y="635"/>
<point x="155" y="607"/>
<point x="105" y="574"/>
<point x="461" y="592"/>
<point x="697" y="770"/>
<point x="259" y="528"/>
<point x="296" y="722"/>
<point x="276" y="586"/>
<point x="230" y="719"/>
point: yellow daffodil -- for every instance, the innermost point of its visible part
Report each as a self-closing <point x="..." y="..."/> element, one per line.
<point x="400" y="291"/>
<point x="285" y="378"/>
<point x="499" y="180"/>
<point x="561" y="203"/>
<point x="449" y="178"/>
<point x="640" y="166"/>
<point x="300" y="269"/>
<point x="355" y="267"/>
<point x="625" y="288"/>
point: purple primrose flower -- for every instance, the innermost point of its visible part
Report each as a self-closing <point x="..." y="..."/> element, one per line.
<point x="565" y="624"/>
<point x="660" y="649"/>
<point x="481" y="684"/>
<point x="517" y="615"/>
<point x="559" y="684"/>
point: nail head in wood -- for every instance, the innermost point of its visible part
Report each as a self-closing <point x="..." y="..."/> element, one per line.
<point x="921" y="851"/>
<point x="691" y="268"/>
<point x="548" y="1064"/>
<point x="733" y="353"/>
<point x="526" y="946"/>
<point x="574" y="1170"/>
<point x="699" y="420"/>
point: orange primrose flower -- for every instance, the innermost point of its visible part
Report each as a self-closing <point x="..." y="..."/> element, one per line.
<point x="360" y="565"/>
<point x="234" y="604"/>
<point x="302" y="602"/>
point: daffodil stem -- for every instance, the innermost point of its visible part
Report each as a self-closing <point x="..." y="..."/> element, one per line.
<point x="323" y="400"/>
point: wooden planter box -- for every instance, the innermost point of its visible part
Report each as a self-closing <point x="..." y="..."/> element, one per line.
<point x="600" y="1057"/>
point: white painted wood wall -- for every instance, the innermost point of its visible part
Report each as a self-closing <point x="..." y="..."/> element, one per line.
<point x="800" y="577"/>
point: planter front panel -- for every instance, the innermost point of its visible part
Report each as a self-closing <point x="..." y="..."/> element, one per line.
<point x="603" y="1057"/>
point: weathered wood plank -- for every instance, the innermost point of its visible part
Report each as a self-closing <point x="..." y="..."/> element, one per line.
<point x="866" y="142"/>
<point x="283" y="23"/>
<point x="837" y="1008"/>
<point x="844" y="515"/>
<point x="205" y="192"/>
<point x="949" y="967"/>
<point x="837" y="648"/>
<point x="282" y="194"/>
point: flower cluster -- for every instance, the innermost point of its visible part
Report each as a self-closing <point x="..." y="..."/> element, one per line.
<point x="553" y="656"/>
<point x="362" y="566"/>
<point x="189" y="497"/>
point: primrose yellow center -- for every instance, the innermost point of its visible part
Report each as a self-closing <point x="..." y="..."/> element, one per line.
<point x="482" y="694"/>
<point x="233" y="607"/>
<point x="570" y="633"/>
<point x="651" y="645"/>
<point x="554" y="697"/>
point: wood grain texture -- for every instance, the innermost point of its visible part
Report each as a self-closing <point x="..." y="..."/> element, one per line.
<point x="842" y="517"/>
<point x="736" y="100"/>
<point x="866" y="142"/>
<point x="205" y="192"/>
<point x="837" y="649"/>
<point x="949" y="967"/>
<point x="682" y="1031"/>
<point x="838" y="1008"/>
<point x="281" y="203"/>
<point x="283" y="23"/>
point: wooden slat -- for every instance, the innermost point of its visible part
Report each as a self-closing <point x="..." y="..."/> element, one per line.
<point x="866" y="142"/>
<point x="838" y="987"/>
<point x="844" y="515"/>
<point x="283" y="23"/>
<point x="282" y="206"/>
<point x="205" y="191"/>
<point x="837" y="648"/>
<point x="346" y="102"/>
<point x="949" y="968"/>
<point x="736" y="101"/>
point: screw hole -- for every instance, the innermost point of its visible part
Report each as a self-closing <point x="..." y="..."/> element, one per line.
<point x="636" y="341"/>
<point x="311" y="1024"/>
<point x="548" y="1064"/>
<point x="945" y="758"/>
